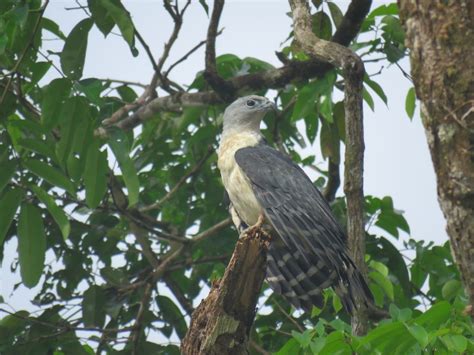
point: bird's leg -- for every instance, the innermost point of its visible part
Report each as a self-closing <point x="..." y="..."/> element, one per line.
<point x="256" y="227"/>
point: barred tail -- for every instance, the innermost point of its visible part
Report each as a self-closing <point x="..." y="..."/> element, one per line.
<point x="302" y="284"/>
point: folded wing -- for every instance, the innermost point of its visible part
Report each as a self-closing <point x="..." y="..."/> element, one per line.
<point x="312" y="253"/>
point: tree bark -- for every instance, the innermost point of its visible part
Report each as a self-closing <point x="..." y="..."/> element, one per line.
<point x="440" y="35"/>
<point x="221" y="324"/>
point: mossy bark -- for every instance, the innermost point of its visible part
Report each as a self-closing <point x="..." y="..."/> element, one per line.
<point x="440" y="35"/>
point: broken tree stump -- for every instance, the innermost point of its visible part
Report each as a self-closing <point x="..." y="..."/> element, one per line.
<point x="221" y="323"/>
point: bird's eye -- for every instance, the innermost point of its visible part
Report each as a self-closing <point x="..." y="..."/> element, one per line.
<point x="250" y="103"/>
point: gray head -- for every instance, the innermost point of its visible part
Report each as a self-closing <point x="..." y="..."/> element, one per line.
<point x="246" y="113"/>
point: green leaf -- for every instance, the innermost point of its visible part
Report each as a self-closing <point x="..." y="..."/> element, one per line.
<point x="103" y="20"/>
<point x="381" y="268"/>
<point x="172" y="315"/>
<point x="6" y="172"/>
<point x="336" y="303"/>
<point x="435" y="316"/>
<point x="304" y="103"/>
<point x="383" y="282"/>
<point x="56" y="212"/>
<point x="95" y="175"/>
<point x="455" y="342"/>
<point x="8" y="207"/>
<point x="12" y="325"/>
<point x="336" y="13"/>
<point x="54" y="97"/>
<point x="376" y="88"/>
<point x="75" y="128"/>
<point x="336" y="344"/>
<point x="31" y="244"/>
<point x="93" y="307"/>
<point x="50" y="174"/>
<point x="322" y="26"/>
<point x="379" y="337"/>
<point x="126" y="93"/>
<point x="38" y="146"/>
<point x="204" y="6"/>
<point x="419" y="333"/>
<point x="330" y="146"/>
<point x="119" y="145"/>
<point x="317" y="344"/>
<point x="73" y="54"/>
<point x="368" y="98"/>
<point x="52" y="27"/>
<point x="391" y="9"/>
<point x="451" y="289"/>
<point x="291" y="347"/>
<point x="123" y="20"/>
<point x="410" y="103"/>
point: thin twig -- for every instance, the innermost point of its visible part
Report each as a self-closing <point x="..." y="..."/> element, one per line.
<point x="135" y="334"/>
<point x="149" y="92"/>
<point x="212" y="230"/>
<point x="186" y="56"/>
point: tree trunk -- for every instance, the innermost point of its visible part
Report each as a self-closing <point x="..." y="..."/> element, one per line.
<point x="221" y="324"/>
<point x="440" y="35"/>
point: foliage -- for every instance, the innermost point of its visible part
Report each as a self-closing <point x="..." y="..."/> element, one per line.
<point x="98" y="204"/>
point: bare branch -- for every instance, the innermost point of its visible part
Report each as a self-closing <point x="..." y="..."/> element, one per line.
<point x="149" y="92"/>
<point x="213" y="230"/>
<point x="186" y="56"/>
<point x="353" y="72"/>
<point x="135" y="334"/>
<point x="270" y="79"/>
<point x="223" y="88"/>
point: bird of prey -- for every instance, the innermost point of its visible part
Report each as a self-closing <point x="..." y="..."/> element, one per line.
<point x="308" y="250"/>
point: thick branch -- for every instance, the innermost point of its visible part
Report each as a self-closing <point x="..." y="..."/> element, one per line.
<point x="222" y="322"/>
<point x="351" y="22"/>
<point x="353" y="71"/>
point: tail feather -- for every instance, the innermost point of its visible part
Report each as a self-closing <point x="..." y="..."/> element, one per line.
<point x="302" y="284"/>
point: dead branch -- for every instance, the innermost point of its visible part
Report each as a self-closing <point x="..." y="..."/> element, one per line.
<point x="222" y="322"/>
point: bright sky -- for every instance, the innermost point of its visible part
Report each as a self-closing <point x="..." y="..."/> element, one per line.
<point x="397" y="161"/>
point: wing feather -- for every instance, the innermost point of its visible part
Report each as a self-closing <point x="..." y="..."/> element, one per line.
<point x="308" y="230"/>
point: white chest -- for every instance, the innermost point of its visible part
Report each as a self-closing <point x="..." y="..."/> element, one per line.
<point x="234" y="179"/>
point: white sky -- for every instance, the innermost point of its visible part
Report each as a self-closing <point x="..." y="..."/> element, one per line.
<point x="397" y="161"/>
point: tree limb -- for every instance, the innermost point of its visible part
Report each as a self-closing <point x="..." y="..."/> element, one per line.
<point x="223" y="88"/>
<point x="222" y="322"/>
<point x="353" y="72"/>
<point x="351" y="22"/>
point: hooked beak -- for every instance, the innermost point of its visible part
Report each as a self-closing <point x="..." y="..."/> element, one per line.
<point x="269" y="106"/>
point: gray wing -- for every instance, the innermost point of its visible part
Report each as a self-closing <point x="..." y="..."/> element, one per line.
<point x="312" y="253"/>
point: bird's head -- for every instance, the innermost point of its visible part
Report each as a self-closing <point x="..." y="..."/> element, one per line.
<point x="246" y="113"/>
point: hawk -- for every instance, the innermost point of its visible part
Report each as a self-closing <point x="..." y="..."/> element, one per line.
<point x="308" y="252"/>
